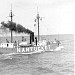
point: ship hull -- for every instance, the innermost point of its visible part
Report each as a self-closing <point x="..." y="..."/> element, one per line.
<point x="22" y="50"/>
<point x="30" y="49"/>
<point x="8" y="50"/>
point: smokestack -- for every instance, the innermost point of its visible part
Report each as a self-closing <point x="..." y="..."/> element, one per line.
<point x="31" y="37"/>
<point x="36" y="40"/>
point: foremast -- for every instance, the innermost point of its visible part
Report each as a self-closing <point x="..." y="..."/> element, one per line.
<point x="11" y="16"/>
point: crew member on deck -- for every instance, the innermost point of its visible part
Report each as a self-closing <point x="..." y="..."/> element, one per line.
<point x="57" y="41"/>
<point x="22" y="38"/>
<point x="15" y="43"/>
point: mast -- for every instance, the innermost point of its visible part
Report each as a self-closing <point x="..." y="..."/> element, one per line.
<point x="11" y="16"/>
<point x="38" y="17"/>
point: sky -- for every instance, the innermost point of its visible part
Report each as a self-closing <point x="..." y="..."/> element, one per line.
<point x="58" y="16"/>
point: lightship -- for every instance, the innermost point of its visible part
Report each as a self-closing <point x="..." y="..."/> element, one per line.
<point x="35" y="45"/>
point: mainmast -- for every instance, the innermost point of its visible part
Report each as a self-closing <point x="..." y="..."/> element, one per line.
<point x="38" y="18"/>
<point x="11" y="16"/>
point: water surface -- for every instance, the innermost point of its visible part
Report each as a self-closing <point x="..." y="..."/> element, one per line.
<point x="48" y="63"/>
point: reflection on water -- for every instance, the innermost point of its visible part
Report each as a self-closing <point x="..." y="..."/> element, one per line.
<point x="48" y="63"/>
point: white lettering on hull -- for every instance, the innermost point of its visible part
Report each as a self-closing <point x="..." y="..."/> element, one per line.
<point x="18" y="50"/>
<point x="35" y="48"/>
<point x="32" y="49"/>
<point x="27" y="49"/>
<point x="23" y="50"/>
